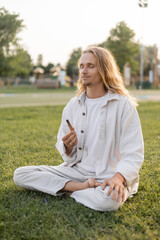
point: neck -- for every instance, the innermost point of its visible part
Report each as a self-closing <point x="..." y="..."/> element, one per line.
<point x="95" y="93"/>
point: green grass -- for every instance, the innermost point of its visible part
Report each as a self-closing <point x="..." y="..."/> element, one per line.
<point x="33" y="89"/>
<point x="28" y="137"/>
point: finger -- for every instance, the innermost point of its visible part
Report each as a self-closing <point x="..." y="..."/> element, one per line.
<point x="74" y="141"/>
<point x="116" y="191"/>
<point x="70" y="139"/>
<point x="98" y="184"/>
<point x="110" y="189"/>
<point x="67" y="136"/>
<point x="120" y="194"/>
<point x="123" y="196"/>
<point x="104" y="184"/>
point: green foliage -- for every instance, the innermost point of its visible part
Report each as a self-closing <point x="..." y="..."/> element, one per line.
<point x="4" y="66"/>
<point x="149" y="58"/>
<point x="28" y="137"/>
<point x="14" y="60"/>
<point x="144" y="85"/>
<point x="122" y="45"/>
<point x="48" y="67"/>
<point x="19" y="63"/>
<point x="72" y="64"/>
<point x="10" y="26"/>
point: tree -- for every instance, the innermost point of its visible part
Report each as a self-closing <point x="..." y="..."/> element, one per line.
<point x="48" y="67"/>
<point x="14" y="60"/>
<point x="72" y="64"/>
<point x="122" y="45"/>
<point x="19" y="63"/>
<point x="10" y="26"/>
<point x="149" y="58"/>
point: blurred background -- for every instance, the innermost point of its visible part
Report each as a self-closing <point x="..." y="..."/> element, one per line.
<point x="41" y="41"/>
<point x="40" y="44"/>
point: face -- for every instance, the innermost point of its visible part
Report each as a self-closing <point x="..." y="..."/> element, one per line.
<point x="88" y="71"/>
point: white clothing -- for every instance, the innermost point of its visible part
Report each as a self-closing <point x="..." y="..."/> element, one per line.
<point x="51" y="180"/>
<point x="120" y="145"/>
<point x="119" y="148"/>
<point x="93" y="107"/>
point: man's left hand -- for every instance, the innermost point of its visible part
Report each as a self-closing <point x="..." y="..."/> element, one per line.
<point x="115" y="183"/>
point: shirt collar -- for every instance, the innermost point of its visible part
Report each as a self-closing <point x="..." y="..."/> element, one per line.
<point x="109" y="97"/>
<point x="82" y="97"/>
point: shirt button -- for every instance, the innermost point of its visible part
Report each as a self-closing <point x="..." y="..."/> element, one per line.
<point x="80" y="148"/>
<point x="82" y="131"/>
<point x="83" y="114"/>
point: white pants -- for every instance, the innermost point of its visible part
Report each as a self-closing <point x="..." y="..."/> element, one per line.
<point x="51" y="179"/>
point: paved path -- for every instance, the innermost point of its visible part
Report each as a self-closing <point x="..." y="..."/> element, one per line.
<point x="41" y="99"/>
<point x="147" y="95"/>
<point x="34" y="99"/>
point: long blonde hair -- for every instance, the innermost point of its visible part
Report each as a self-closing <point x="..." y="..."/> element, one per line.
<point x="109" y="72"/>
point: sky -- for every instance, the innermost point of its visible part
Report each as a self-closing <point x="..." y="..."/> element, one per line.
<point x="55" y="27"/>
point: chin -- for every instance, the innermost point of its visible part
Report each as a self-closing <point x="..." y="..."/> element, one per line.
<point x="85" y="83"/>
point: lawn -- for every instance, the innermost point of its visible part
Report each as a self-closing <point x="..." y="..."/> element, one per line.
<point x="28" y="137"/>
<point x="33" y="89"/>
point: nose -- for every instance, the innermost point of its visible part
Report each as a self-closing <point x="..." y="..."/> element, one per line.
<point x="84" y="70"/>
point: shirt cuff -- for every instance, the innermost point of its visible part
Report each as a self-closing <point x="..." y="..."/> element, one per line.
<point x="130" y="177"/>
<point x="67" y="158"/>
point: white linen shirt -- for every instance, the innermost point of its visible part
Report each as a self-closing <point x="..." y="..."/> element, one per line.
<point x="120" y="145"/>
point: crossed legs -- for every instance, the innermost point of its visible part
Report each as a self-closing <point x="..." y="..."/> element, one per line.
<point x="59" y="179"/>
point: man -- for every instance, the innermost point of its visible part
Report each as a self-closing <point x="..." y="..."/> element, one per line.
<point x="103" y="152"/>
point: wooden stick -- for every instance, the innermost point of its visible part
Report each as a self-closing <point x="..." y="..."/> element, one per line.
<point x="69" y="125"/>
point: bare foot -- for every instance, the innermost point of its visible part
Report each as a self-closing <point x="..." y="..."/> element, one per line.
<point x="91" y="182"/>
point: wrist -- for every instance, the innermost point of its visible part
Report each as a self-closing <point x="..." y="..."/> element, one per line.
<point x="85" y="185"/>
<point x="120" y="176"/>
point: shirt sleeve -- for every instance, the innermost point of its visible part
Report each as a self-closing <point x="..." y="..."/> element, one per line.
<point x="62" y="131"/>
<point x="131" y="145"/>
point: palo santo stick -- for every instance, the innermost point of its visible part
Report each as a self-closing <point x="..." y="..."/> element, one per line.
<point x="69" y="125"/>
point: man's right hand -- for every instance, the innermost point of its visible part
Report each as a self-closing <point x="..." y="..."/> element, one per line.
<point x="70" y="140"/>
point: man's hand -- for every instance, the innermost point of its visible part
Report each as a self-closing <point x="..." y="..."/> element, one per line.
<point x="70" y="140"/>
<point x="116" y="183"/>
